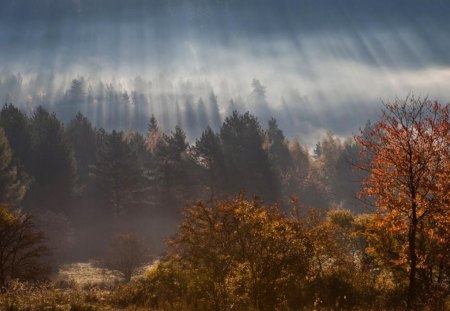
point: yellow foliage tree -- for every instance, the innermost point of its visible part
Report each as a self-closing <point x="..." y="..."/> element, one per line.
<point x="245" y="254"/>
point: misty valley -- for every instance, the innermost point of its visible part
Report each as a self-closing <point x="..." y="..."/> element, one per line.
<point x="197" y="155"/>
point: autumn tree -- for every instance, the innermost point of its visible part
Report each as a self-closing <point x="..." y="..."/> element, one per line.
<point x="242" y="254"/>
<point x="408" y="180"/>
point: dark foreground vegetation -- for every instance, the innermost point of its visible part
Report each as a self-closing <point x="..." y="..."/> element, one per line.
<point x="304" y="242"/>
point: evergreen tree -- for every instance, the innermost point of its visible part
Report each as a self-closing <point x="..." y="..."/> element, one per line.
<point x="53" y="165"/>
<point x="77" y="92"/>
<point x="208" y="152"/>
<point x="172" y="162"/>
<point x="277" y="147"/>
<point x="247" y="162"/>
<point x="153" y="134"/>
<point x="348" y="179"/>
<point x="12" y="188"/>
<point x="83" y="139"/>
<point x="216" y="120"/>
<point x="17" y="129"/>
<point x="118" y="175"/>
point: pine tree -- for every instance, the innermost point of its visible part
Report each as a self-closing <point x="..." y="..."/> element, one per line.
<point x="82" y="136"/>
<point x="247" y="162"/>
<point x="53" y="166"/>
<point x="17" y="129"/>
<point x="172" y="164"/>
<point x="216" y="120"/>
<point x="208" y="152"/>
<point x="118" y="176"/>
<point x="277" y="147"/>
<point x="153" y="134"/>
<point x="12" y="188"/>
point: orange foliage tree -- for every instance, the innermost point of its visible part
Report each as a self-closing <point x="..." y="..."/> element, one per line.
<point x="406" y="154"/>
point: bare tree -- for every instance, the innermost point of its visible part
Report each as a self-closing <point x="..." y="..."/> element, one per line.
<point x="22" y="247"/>
<point x="126" y="253"/>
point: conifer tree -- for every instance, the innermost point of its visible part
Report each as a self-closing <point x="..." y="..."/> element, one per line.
<point x="53" y="166"/>
<point x="118" y="175"/>
<point x="208" y="152"/>
<point x="12" y="188"/>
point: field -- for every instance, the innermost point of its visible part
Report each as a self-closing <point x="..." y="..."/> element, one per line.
<point x="77" y="287"/>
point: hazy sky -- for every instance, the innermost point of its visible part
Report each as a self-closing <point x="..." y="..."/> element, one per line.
<point x="338" y="59"/>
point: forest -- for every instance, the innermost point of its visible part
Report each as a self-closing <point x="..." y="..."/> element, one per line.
<point x="239" y="218"/>
<point x="227" y="155"/>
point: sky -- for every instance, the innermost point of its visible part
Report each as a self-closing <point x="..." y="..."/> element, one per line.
<point x="325" y="64"/>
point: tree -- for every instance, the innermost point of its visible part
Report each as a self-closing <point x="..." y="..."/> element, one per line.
<point x="153" y="134"/>
<point x="118" y="175"/>
<point x="242" y="254"/>
<point x="17" y="129"/>
<point x="82" y="136"/>
<point x="126" y="253"/>
<point x="208" y="152"/>
<point x="172" y="166"/>
<point x="22" y="247"/>
<point x="277" y="147"/>
<point x="77" y="93"/>
<point x="408" y="178"/>
<point x="12" y="187"/>
<point x="348" y="178"/>
<point x="53" y="166"/>
<point x="246" y="160"/>
<point x="214" y="112"/>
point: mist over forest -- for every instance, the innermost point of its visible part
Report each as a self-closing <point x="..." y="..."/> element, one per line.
<point x="324" y="65"/>
<point x="224" y="155"/>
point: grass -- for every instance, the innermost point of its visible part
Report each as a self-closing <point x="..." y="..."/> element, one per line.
<point x="79" y="286"/>
<point x="87" y="275"/>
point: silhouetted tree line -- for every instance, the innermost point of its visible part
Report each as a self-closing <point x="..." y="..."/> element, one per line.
<point x="129" y="103"/>
<point x="79" y="177"/>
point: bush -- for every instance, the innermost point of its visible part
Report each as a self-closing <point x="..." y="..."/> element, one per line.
<point x="126" y="254"/>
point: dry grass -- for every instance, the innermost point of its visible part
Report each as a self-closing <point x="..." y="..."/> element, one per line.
<point x="45" y="296"/>
<point x="87" y="275"/>
<point x="82" y="286"/>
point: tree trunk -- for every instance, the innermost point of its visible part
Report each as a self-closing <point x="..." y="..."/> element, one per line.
<point x="412" y="261"/>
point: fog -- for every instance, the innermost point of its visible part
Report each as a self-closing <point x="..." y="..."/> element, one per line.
<point x="328" y="65"/>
